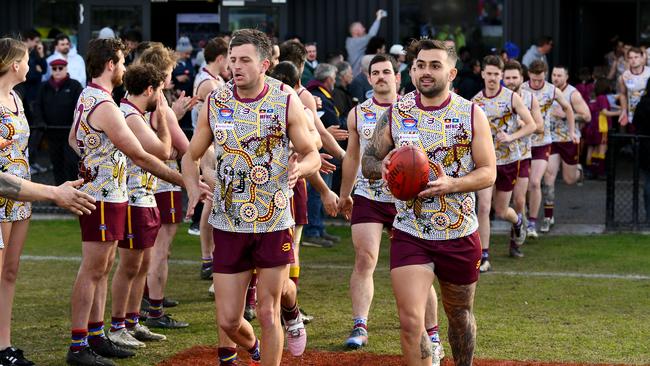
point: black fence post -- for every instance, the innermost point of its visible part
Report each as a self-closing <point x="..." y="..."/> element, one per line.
<point x="635" y="185"/>
<point x="611" y="183"/>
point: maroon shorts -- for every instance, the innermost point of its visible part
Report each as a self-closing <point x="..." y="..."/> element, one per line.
<point x="524" y="168"/>
<point x="299" y="203"/>
<point x="239" y="252"/>
<point x="568" y="151"/>
<point x="366" y="210"/>
<point x="507" y="176"/>
<point x="105" y="223"/>
<point x="170" y="205"/>
<point x="142" y="224"/>
<point x="455" y="261"/>
<point x="541" y="152"/>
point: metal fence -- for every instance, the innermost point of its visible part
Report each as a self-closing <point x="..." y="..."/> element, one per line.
<point x="626" y="206"/>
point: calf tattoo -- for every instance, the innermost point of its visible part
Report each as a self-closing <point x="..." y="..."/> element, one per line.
<point x="425" y="346"/>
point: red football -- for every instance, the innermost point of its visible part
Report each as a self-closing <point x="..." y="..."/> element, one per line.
<point x="408" y="172"/>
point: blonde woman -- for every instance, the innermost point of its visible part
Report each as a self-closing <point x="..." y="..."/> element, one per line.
<point x="14" y="215"/>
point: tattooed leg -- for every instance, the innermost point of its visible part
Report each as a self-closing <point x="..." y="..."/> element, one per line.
<point x="411" y="286"/>
<point x="458" y="301"/>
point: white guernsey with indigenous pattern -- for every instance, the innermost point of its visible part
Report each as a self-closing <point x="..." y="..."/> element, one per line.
<point x="635" y="85"/>
<point x="252" y="155"/>
<point x="14" y="159"/>
<point x="102" y="165"/>
<point x="560" y="126"/>
<point x="545" y="96"/>
<point x="445" y="134"/>
<point x="502" y="118"/>
<point x="366" y="116"/>
<point x="140" y="183"/>
<point x="526" y="143"/>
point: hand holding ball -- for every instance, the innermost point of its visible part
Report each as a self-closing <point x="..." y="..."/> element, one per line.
<point x="408" y="172"/>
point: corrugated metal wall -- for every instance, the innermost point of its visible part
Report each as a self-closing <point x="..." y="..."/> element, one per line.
<point x="327" y="21"/>
<point x="16" y="15"/>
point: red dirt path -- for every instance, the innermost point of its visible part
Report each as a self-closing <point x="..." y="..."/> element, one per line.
<point x="204" y="356"/>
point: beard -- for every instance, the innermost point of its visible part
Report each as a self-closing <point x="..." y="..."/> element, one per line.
<point x="116" y="80"/>
<point x="433" y="90"/>
<point x="151" y="105"/>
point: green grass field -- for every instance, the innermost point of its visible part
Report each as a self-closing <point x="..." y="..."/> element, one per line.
<point x="536" y="308"/>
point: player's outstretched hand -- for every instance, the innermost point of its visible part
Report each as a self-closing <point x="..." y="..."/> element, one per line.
<point x="441" y="186"/>
<point x="338" y="133"/>
<point x="330" y="202"/>
<point x="206" y="192"/>
<point x="325" y="166"/>
<point x="293" y="171"/>
<point x="67" y="196"/>
<point x="4" y="143"/>
<point x="345" y="206"/>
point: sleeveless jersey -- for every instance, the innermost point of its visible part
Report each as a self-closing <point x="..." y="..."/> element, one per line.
<point x="502" y="118"/>
<point x="252" y="154"/>
<point x="545" y="96"/>
<point x="445" y="134"/>
<point x="366" y="116"/>
<point x="14" y="159"/>
<point x="102" y="165"/>
<point x="140" y="183"/>
<point x="635" y="85"/>
<point x="525" y="143"/>
<point x="163" y="185"/>
<point x="202" y="76"/>
<point x="560" y="126"/>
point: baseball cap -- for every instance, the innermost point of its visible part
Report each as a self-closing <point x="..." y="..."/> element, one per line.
<point x="397" y="49"/>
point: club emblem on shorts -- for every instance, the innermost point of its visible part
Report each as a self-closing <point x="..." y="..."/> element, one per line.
<point x="286" y="247"/>
<point x="248" y="212"/>
<point x="440" y="221"/>
<point x="259" y="175"/>
<point x="280" y="200"/>
<point x="92" y="141"/>
<point x="103" y="227"/>
<point x="467" y="206"/>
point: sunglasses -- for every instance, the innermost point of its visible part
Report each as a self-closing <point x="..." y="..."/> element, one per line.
<point x="58" y="68"/>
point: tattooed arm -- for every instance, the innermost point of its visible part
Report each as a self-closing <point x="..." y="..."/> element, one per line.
<point x="377" y="156"/>
<point x="65" y="195"/>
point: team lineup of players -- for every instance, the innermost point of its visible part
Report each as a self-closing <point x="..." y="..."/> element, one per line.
<point x="256" y="142"/>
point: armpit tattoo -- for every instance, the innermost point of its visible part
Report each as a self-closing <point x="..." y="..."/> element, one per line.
<point x="425" y="346"/>
<point x="376" y="151"/>
<point x="9" y="186"/>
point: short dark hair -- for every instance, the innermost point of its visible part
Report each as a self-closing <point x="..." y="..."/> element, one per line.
<point x="513" y="65"/>
<point x="100" y="51"/>
<point x="374" y="44"/>
<point x="60" y="37"/>
<point x="544" y="40"/>
<point x="602" y="87"/>
<point x="214" y="48"/>
<point x="492" y="60"/>
<point x="293" y="52"/>
<point x="31" y="34"/>
<point x="133" y="36"/>
<point x="257" y="38"/>
<point x="286" y="72"/>
<point x="429" y="44"/>
<point x="382" y="58"/>
<point x="537" y="67"/>
<point x="139" y="77"/>
<point x="635" y="50"/>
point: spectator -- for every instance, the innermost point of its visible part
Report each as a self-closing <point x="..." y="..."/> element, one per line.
<point x="76" y="64"/>
<point x="310" y="64"/>
<point x="360" y="87"/>
<point x="54" y="108"/>
<point x="538" y="51"/>
<point x="106" y="33"/>
<point x="37" y="67"/>
<point x="132" y="40"/>
<point x="642" y="122"/>
<point x="183" y="75"/>
<point x="356" y="44"/>
<point x="595" y="134"/>
<point x="322" y="86"/>
<point x="376" y="45"/>
<point x="470" y="80"/>
<point x="334" y="57"/>
<point x="586" y="85"/>
<point x="343" y="100"/>
<point x="397" y="51"/>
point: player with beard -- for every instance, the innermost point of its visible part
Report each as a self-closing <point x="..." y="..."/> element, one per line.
<point x="102" y="138"/>
<point x="251" y="125"/>
<point x="143" y="84"/>
<point x="502" y="108"/>
<point x="566" y="140"/>
<point x="436" y="233"/>
<point x="513" y="77"/>
<point x="545" y="93"/>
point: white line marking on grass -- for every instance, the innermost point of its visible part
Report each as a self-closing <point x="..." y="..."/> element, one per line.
<point x="612" y="276"/>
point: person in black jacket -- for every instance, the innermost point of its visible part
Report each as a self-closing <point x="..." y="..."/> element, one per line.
<point x="54" y="108"/>
<point x="642" y="122"/>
